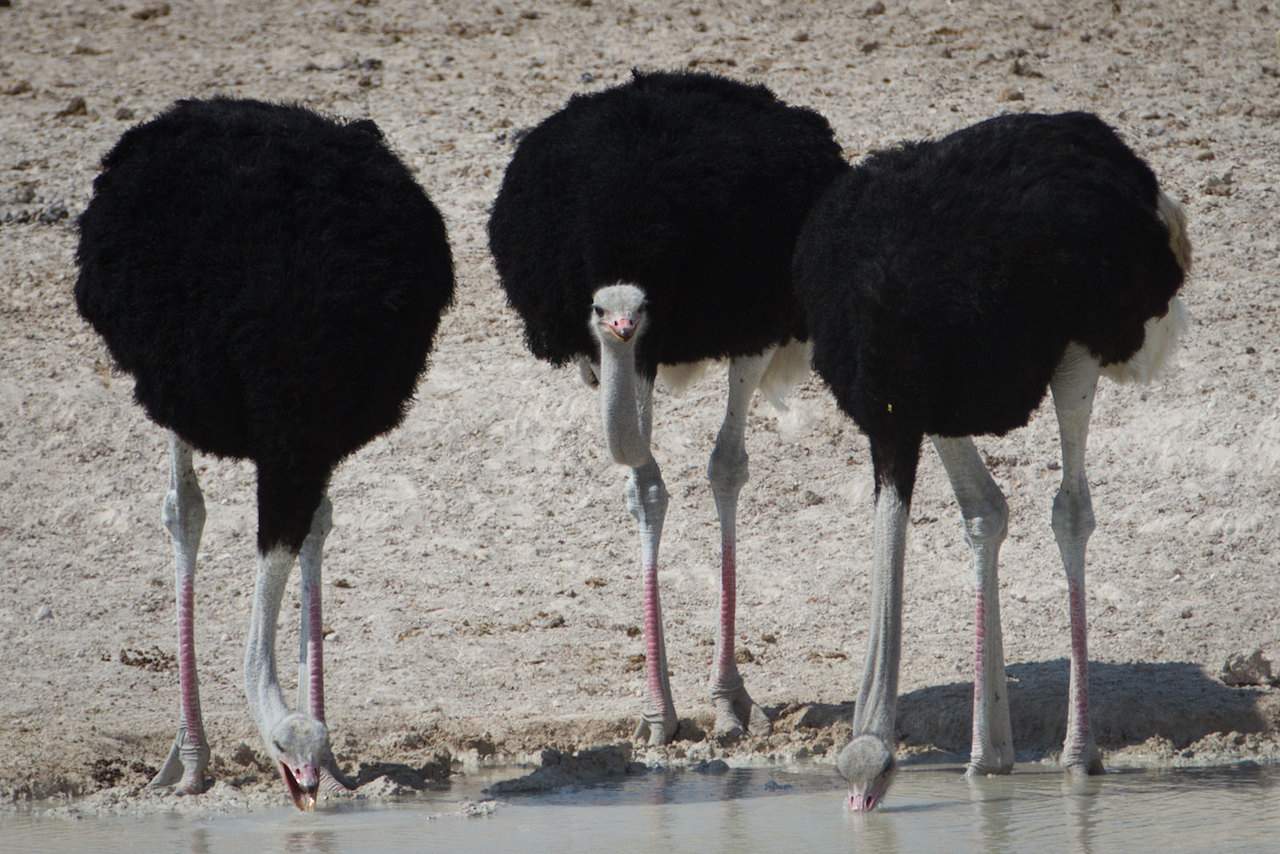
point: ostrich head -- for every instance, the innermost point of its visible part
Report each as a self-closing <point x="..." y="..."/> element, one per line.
<point x="619" y="313"/>
<point x="867" y="764"/>
<point x="298" y="745"/>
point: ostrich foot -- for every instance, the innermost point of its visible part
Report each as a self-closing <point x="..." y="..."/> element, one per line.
<point x="185" y="766"/>
<point x="737" y="714"/>
<point x="657" y="728"/>
<point x="1082" y="760"/>
<point x="990" y="759"/>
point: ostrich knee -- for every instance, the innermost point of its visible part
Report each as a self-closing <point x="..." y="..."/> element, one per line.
<point x="728" y="471"/>
<point x="1073" y="520"/>
<point x="647" y="495"/>
<point x="989" y="525"/>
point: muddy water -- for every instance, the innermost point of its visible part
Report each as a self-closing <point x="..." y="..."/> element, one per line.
<point x="741" y="810"/>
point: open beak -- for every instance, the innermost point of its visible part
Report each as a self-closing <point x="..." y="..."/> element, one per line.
<point x="862" y="803"/>
<point x="303" y="787"/>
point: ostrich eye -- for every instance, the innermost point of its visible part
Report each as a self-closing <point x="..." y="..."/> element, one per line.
<point x="598" y="310"/>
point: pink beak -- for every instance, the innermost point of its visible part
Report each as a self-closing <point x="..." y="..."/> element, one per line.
<point x="623" y="327"/>
<point x="302" y="786"/>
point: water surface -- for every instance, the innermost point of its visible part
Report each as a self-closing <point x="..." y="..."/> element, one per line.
<point x="741" y="810"/>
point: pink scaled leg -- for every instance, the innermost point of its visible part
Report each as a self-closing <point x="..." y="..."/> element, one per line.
<point x="183" y="515"/>
<point x="986" y="523"/>
<point x="736" y="712"/>
<point x="1073" y="386"/>
<point x="647" y="501"/>
<point x="311" y="638"/>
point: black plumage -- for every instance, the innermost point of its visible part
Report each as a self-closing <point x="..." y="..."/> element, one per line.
<point x="942" y="280"/>
<point x="691" y="186"/>
<point x="273" y="280"/>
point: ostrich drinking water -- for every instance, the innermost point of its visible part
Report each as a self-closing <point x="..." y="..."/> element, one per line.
<point x="272" y="280"/>
<point x="646" y="229"/>
<point x="947" y="286"/>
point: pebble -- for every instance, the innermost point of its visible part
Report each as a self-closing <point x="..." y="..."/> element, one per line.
<point x="45" y="613"/>
<point x="75" y="107"/>
<point x="1251" y="668"/>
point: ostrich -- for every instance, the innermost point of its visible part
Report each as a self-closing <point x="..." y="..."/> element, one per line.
<point x="645" y="230"/>
<point x="947" y="285"/>
<point x="272" y="279"/>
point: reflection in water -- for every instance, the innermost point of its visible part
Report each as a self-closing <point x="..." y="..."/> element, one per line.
<point x="743" y="810"/>
<point x="994" y="807"/>
<point x="875" y="831"/>
<point x="1079" y="796"/>
<point x="321" y="841"/>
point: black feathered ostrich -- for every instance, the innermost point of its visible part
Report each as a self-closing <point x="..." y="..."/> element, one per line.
<point x="646" y="229"/>
<point x="272" y="280"/>
<point x="947" y="285"/>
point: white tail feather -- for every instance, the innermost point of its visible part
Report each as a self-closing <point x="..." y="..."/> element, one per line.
<point x="677" y="378"/>
<point x="789" y="367"/>
<point x="1161" y="334"/>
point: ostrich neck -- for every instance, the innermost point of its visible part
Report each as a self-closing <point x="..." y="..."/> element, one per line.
<point x="878" y="697"/>
<point x="625" y="403"/>
<point x="262" y="687"/>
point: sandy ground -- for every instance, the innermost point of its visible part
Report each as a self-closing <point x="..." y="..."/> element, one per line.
<point x="481" y="580"/>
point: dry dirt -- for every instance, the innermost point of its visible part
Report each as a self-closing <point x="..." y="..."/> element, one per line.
<point x="481" y="580"/>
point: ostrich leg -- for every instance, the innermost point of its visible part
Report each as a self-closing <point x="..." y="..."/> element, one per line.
<point x="986" y="522"/>
<point x="728" y="472"/>
<point x="1073" y="384"/>
<point x="311" y="637"/>
<point x="867" y="762"/>
<point x="183" y="515"/>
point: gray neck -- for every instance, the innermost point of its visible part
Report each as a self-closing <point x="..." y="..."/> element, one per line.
<point x="878" y="697"/>
<point x="625" y="403"/>
<point x="261" y="685"/>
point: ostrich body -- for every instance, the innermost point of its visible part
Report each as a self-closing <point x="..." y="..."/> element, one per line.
<point x="947" y="286"/>
<point x="649" y="228"/>
<point x="272" y="280"/>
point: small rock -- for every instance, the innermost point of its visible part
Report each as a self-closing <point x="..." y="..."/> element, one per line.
<point x="587" y="77"/>
<point x="125" y="114"/>
<point x="530" y="15"/>
<point x="75" y="107"/>
<point x="713" y="766"/>
<point x="1186" y="614"/>
<point x="775" y="786"/>
<point x="1205" y="155"/>
<point x="4" y="4"/>
<point x="45" y="613"/>
<point x="53" y="213"/>
<point x="1249" y="351"/>
<point x="869" y="47"/>
<point x="801" y="36"/>
<point x="811" y="498"/>
<point x="18" y="87"/>
<point x="633" y="631"/>
<point x="1247" y="669"/>
<point x="744" y="656"/>
<point x="1011" y="95"/>
<point x="769" y="638"/>
<point x="24" y="194"/>
<point x="146" y="13"/>
<point x="874" y="9"/>
<point x="480" y="809"/>
<point x="1219" y="185"/>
